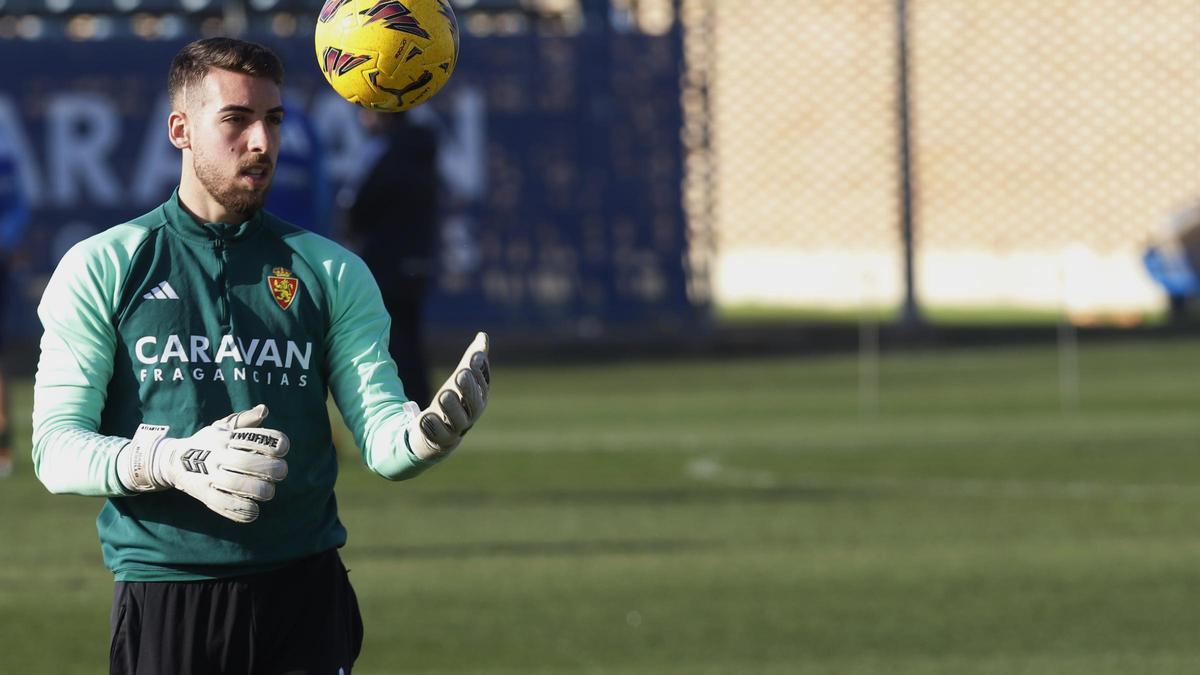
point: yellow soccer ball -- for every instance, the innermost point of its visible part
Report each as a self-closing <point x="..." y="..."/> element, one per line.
<point x="387" y="55"/>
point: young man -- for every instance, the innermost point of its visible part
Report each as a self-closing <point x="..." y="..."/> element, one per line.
<point x="167" y="340"/>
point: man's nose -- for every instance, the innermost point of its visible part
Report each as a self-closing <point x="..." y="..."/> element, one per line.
<point x="260" y="139"/>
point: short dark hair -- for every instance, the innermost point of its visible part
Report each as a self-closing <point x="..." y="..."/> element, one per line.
<point x="193" y="62"/>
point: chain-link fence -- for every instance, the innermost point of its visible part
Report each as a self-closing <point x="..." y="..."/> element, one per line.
<point x="1050" y="139"/>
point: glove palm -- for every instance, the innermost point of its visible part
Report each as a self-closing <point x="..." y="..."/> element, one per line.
<point x="456" y="407"/>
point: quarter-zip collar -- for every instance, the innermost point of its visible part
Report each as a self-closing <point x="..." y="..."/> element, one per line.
<point x="182" y="223"/>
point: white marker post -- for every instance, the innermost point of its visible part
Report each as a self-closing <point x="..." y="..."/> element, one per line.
<point x="1071" y="295"/>
<point x="868" y="349"/>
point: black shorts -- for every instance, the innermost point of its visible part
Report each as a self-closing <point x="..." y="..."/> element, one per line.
<point x="301" y="619"/>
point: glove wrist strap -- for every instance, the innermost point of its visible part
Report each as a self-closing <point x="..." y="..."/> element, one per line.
<point x="136" y="462"/>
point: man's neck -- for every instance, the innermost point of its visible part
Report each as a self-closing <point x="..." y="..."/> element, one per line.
<point x="203" y="206"/>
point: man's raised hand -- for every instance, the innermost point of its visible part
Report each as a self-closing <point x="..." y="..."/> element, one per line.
<point x="456" y="407"/>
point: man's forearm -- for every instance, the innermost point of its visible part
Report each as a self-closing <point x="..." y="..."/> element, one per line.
<point x="72" y="460"/>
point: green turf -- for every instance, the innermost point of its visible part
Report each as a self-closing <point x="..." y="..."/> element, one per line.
<point x="734" y="315"/>
<point x="705" y="518"/>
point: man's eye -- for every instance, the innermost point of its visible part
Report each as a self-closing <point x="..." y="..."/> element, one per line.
<point x="275" y="119"/>
<point x="234" y="119"/>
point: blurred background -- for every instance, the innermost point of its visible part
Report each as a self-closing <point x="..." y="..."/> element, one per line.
<point x="643" y="166"/>
<point x="831" y="336"/>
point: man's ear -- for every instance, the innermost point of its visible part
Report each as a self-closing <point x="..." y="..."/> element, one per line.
<point x="178" y="130"/>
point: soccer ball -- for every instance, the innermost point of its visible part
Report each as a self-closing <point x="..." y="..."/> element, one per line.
<point x="387" y="55"/>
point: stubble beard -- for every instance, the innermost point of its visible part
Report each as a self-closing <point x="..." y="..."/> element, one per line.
<point x="227" y="192"/>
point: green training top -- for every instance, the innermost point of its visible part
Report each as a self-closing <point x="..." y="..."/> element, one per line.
<point x="165" y="320"/>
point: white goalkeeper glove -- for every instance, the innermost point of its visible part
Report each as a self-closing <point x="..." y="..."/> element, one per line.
<point x="456" y="407"/>
<point x="230" y="465"/>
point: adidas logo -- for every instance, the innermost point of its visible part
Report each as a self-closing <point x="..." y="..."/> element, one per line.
<point x="162" y="291"/>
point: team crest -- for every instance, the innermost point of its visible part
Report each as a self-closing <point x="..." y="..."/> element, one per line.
<point x="283" y="286"/>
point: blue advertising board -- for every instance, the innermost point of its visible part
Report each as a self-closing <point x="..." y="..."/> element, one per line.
<point x="560" y="156"/>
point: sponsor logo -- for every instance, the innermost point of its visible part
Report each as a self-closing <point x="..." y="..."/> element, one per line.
<point x="283" y="286"/>
<point x="177" y="358"/>
<point x="255" y="437"/>
<point x="193" y="461"/>
<point x="162" y="291"/>
<point x="415" y="85"/>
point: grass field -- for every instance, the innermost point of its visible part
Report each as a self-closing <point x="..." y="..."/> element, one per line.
<point x="744" y="517"/>
<point x="934" y="316"/>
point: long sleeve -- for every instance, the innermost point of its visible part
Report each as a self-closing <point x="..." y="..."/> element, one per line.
<point x="362" y="375"/>
<point x="77" y="350"/>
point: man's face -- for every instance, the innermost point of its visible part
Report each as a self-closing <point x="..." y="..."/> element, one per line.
<point x="233" y="122"/>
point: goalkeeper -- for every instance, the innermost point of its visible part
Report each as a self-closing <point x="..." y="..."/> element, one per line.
<point x="185" y="364"/>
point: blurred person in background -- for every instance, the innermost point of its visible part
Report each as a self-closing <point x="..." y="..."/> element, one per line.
<point x="1172" y="259"/>
<point x="14" y="217"/>
<point x="392" y="222"/>
<point x="301" y="192"/>
<point x="166" y="341"/>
